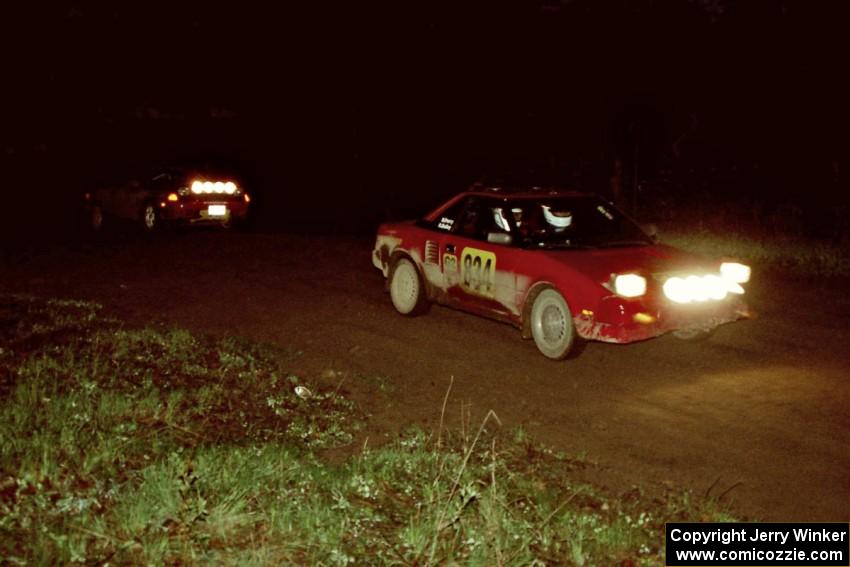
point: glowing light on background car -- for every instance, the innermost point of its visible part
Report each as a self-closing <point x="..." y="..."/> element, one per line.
<point x="172" y="197"/>
<point x="219" y="187"/>
<point x="630" y="285"/>
<point x="735" y="272"/>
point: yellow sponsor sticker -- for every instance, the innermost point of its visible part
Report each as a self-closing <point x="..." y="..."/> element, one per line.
<point x="478" y="271"/>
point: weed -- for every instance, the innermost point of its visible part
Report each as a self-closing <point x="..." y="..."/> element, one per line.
<point x="158" y="446"/>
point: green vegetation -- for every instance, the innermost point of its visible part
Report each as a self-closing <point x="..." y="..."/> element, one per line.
<point x="156" y="446"/>
<point x="795" y="255"/>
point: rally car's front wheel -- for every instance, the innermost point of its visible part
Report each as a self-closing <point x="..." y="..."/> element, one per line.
<point x="693" y="334"/>
<point x="552" y="325"/>
<point x="406" y="289"/>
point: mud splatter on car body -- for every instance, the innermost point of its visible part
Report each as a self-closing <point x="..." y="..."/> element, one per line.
<point x="493" y="251"/>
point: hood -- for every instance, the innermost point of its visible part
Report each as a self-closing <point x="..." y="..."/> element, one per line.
<point x="599" y="264"/>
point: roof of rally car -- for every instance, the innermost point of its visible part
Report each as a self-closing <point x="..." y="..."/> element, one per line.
<point x="506" y="192"/>
<point x="522" y="191"/>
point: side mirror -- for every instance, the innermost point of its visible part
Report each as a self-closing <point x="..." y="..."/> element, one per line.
<point x="499" y="238"/>
<point x="651" y="230"/>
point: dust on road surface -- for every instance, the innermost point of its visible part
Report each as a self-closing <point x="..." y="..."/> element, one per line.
<point x="759" y="414"/>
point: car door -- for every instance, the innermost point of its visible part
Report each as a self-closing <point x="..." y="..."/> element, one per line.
<point x="439" y="258"/>
<point x="480" y="259"/>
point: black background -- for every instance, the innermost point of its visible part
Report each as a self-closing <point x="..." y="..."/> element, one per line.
<point x="344" y="114"/>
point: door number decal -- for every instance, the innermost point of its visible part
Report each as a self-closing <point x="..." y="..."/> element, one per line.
<point x="478" y="271"/>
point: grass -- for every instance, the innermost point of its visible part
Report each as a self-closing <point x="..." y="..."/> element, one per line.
<point x="156" y="446"/>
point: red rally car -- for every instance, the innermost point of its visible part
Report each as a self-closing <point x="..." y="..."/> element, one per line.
<point x="559" y="265"/>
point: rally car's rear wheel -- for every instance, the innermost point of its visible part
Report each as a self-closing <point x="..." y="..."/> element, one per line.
<point x="150" y="217"/>
<point x="552" y="325"/>
<point x="406" y="289"/>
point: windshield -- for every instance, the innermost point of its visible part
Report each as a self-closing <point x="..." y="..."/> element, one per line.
<point x="573" y="222"/>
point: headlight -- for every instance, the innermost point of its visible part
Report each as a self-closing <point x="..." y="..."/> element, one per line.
<point x="676" y="289"/>
<point x="715" y="287"/>
<point x="735" y="272"/>
<point x="629" y="285"/>
<point x="696" y="289"/>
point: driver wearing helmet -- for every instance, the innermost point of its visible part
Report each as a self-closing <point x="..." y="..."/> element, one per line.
<point x="557" y="219"/>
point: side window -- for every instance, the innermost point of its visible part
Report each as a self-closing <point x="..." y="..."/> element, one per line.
<point x="475" y="217"/>
<point x="482" y="217"/>
<point x="470" y="220"/>
<point x="161" y="180"/>
<point x="448" y="221"/>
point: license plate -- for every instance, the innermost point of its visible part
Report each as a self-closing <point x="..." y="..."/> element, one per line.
<point x="217" y="210"/>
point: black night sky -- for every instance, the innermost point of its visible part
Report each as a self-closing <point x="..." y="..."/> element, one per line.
<point x="225" y="361"/>
<point x="348" y="113"/>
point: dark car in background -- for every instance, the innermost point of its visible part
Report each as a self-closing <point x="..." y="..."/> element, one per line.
<point x="171" y="195"/>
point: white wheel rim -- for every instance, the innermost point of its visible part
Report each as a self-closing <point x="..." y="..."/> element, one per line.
<point x="550" y="324"/>
<point x="405" y="287"/>
<point x="150" y="216"/>
<point x="553" y="324"/>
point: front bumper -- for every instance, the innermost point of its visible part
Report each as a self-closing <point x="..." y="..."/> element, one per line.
<point x="622" y="321"/>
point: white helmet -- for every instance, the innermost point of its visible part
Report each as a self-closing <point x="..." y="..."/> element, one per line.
<point x="558" y="219"/>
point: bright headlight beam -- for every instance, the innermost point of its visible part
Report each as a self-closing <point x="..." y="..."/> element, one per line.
<point x="630" y="285"/>
<point x="733" y="287"/>
<point x="697" y="289"/>
<point x="735" y="272"/>
<point x="675" y="289"/>
<point x="197" y="187"/>
<point x="716" y="287"/>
